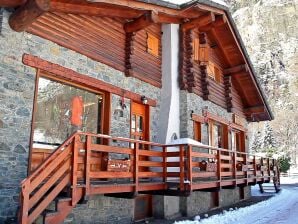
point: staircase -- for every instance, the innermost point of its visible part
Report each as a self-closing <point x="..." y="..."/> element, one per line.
<point x="51" y="179"/>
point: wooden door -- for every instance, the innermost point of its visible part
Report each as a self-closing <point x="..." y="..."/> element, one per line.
<point x="139" y="129"/>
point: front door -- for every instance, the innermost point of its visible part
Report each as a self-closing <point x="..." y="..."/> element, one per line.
<point x="140" y="130"/>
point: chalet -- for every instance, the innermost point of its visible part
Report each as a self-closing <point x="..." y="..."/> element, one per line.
<point x="114" y="111"/>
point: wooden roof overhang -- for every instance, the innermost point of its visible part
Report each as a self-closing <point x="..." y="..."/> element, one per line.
<point x="73" y="24"/>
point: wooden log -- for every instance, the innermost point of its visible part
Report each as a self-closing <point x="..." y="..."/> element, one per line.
<point x="11" y="3"/>
<point x="27" y="14"/>
<point x="200" y="21"/>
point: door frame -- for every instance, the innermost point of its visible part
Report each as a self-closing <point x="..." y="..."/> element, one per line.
<point x="146" y="130"/>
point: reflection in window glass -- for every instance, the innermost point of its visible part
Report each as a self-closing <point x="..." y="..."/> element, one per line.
<point x="62" y="109"/>
<point x="133" y="123"/>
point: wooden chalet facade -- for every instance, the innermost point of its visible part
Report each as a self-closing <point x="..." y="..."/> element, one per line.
<point x="101" y="100"/>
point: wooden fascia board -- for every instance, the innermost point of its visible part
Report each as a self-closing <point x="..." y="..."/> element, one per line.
<point x="255" y="110"/>
<point x="142" y="22"/>
<point x="200" y="21"/>
<point x="252" y="75"/>
<point x="77" y="78"/>
<point x="11" y="3"/>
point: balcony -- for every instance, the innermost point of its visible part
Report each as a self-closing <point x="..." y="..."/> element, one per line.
<point x="84" y="166"/>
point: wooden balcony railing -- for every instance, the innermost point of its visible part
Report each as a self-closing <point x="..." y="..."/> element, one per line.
<point x="78" y="168"/>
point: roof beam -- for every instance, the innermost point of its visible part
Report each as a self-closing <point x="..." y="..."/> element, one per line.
<point x="11" y="3"/>
<point x="142" y="22"/>
<point x="236" y="69"/>
<point x="200" y="21"/>
<point x="220" y="20"/>
<point x="27" y="14"/>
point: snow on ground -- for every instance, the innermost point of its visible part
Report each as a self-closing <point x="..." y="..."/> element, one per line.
<point x="282" y="208"/>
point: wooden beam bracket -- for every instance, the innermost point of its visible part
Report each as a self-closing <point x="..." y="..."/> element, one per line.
<point x="200" y="21"/>
<point x="142" y="22"/>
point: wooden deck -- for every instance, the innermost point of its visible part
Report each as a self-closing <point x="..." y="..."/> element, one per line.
<point x="79" y="167"/>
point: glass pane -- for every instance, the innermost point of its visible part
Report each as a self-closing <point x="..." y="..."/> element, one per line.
<point x="133" y="123"/>
<point x="62" y="109"/>
<point x="140" y="124"/>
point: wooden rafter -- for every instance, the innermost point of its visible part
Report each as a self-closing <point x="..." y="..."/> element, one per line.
<point x="11" y="3"/>
<point x="200" y="21"/>
<point x="142" y="22"/>
<point x="236" y="69"/>
<point x="220" y="20"/>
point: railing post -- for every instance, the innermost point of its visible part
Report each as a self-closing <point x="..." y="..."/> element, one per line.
<point x="219" y="167"/>
<point x="262" y="169"/>
<point x="87" y="166"/>
<point x="235" y="166"/>
<point x="164" y="163"/>
<point x="74" y="168"/>
<point x="136" y="167"/>
<point x="268" y="168"/>
<point x="190" y="166"/>
<point x="25" y="203"/>
<point x="246" y="172"/>
<point x="255" y="168"/>
<point x="181" y="161"/>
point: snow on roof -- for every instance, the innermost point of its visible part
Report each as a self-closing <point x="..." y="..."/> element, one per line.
<point x="180" y="2"/>
<point x="185" y="141"/>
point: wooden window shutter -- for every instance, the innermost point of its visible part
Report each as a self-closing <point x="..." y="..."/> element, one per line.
<point x="152" y="45"/>
<point x="196" y="49"/>
<point x="217" y="74"/>
<point x="204" y="53"/>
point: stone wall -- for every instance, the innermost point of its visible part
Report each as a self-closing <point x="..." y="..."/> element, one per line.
<point x="16" y="99"/>
<point x="199" y="202"/>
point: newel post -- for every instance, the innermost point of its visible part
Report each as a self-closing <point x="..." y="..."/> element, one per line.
<point x="164" y="163"/>
<point x="24" y="212"/>
<point x="136" y="167"/>
<point x="190" y="166"/>
<point x="181" y="163"/>
<point x="87" y="165"/>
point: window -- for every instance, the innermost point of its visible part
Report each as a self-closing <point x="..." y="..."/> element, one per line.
<point x="152" y="45"/>
<point x="237" y="140"/>
<point x="215" y="134"/>
<point x="214" y="72"/>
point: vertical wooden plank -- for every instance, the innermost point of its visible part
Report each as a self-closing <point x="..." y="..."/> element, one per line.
<point x="181" y="162"/>
<point x="136" y="167"/>
<point x="74" y="168"/>
<point x="164" y="165"/>
<point x="268" y="167"/>
<point x="87" y="165"/>
<point x="190" y="166"/>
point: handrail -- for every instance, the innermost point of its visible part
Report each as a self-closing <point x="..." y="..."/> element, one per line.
<point x="48" y="160"/>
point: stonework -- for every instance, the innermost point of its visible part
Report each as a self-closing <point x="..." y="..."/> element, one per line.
<point x="17" y="83"/>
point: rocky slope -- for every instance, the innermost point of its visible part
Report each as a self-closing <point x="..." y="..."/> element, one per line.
<point x="269" y="29"/>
